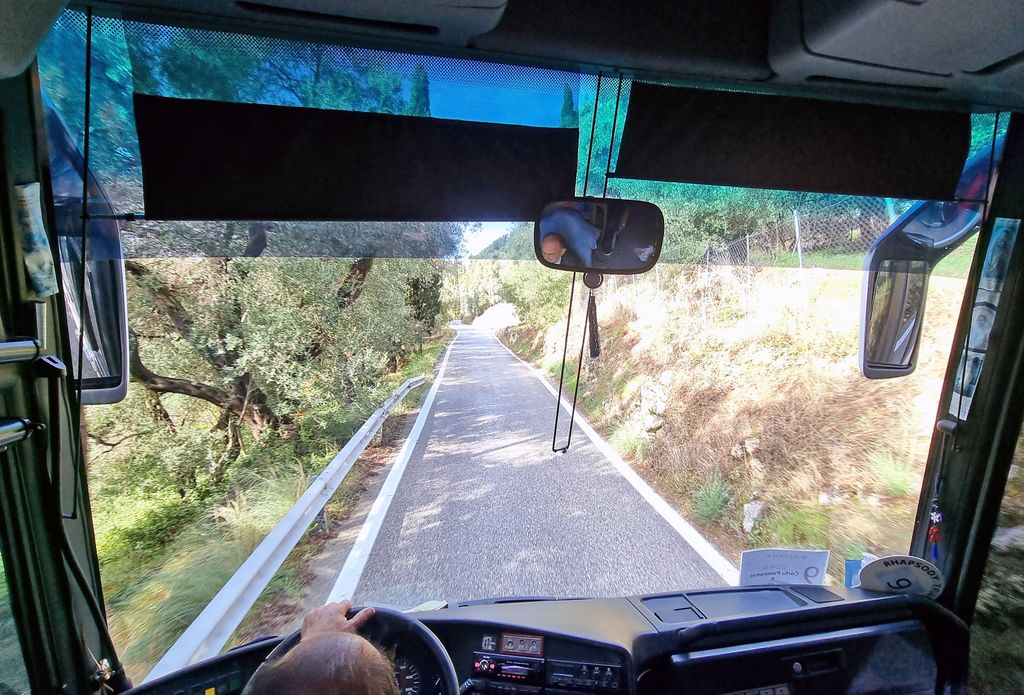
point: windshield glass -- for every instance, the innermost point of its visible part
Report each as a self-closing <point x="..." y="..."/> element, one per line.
<point x="726" y="410"/>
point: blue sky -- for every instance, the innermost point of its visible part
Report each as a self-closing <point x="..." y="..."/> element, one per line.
<point x="476" y="241"/>
<point x="479" y="91"/>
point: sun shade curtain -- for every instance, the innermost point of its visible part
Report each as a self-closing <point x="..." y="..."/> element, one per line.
<point x="761" y="141"/>
<point x="210" y="160"/>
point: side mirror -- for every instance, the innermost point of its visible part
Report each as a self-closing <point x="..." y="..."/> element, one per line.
<point x="104" y="372"/>
<point x="896" y="271"/>
<point x="602" y="235"/>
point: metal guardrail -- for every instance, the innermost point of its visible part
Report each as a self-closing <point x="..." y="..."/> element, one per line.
<point x="213" y="627"/>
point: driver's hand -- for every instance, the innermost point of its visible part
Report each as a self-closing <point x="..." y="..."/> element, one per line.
<point x="330" y="619"/>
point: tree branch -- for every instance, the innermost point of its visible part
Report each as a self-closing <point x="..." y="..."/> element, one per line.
<point x="257" y="239"/>
<point x="164" y="299"/>
<point x="140" y="373"/>
<point x="352" y="285"/>
<point x="171" y="308"/>
<point x="110" y="445"/>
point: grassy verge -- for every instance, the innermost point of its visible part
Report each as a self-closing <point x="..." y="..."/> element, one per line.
<point x="163" y="561"/>
<point x="957" y="264"/>
<point x="282" y="600"/>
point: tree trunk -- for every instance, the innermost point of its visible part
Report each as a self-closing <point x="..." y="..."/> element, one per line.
<point x="247" y="403"/>
<point x="352" y="286"/>
<point x="158" y="412"/>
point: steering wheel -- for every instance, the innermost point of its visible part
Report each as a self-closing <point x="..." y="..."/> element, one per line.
<point x="388" y="628"/>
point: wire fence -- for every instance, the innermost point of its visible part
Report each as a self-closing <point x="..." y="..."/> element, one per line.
<point x="835" y="234"/>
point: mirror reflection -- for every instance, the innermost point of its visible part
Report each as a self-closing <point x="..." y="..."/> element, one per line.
<point x="895" y="306"/>
<point x="600" y="235"/>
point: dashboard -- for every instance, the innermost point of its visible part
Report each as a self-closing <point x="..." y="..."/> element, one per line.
<point x="768" y="640"/>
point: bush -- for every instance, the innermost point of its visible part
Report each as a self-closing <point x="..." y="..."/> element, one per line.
<point x="710" y="498"/>
<point x="894" y="475"/>
<point x="152" y="612"/>
<point x="630" y="439"/>
<point x="805" y="526"/>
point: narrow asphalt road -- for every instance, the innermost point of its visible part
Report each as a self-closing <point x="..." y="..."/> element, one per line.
<point x="486" y="509"/>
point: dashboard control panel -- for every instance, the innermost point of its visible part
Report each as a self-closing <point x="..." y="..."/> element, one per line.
<point x="504" y="673"/>
<point x="582" y="676"/>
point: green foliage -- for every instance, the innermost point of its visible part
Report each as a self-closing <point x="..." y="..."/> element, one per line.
<point x="176" y="505"/>
<point x="419" y="92"/>
<point x="516" y="245"/>
<point x="798" y="527"/>
<point x="629" y="438"/>
<point x="984" y="128"/>
<point x="506" y="272"/>
<point x="424" y="296"/>
<point x="541" y="295"/>
<point x="894" y="474"/>
<point x="710" y="498"/>
<point x="168" y="589"/>
<point x="569" y="117"/>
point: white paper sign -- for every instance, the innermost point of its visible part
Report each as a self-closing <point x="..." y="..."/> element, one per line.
<point x="783" y="566"/>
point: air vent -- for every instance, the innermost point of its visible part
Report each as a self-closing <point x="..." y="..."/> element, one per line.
<point x="452" y="22"/>
<point x="338" y="19"/>
<point x="826" y="79"/>
<point x="1000" y="65"/>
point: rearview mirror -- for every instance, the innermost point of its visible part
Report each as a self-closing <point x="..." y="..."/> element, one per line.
<point x="896" y="271"/>
<point x="619" y="237"/>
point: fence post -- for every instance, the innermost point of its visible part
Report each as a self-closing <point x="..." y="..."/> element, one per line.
<point x="703" y="286"/>
<point x="748" y="257"/>
<point x="890" y="210"/>
<point x="799" y="247"/>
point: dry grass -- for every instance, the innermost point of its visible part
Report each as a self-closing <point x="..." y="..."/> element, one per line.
<point x="764" y="393"/>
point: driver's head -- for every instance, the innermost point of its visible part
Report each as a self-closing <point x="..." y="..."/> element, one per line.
<point x="552" y="247"/>
<point x="338" y="663"/>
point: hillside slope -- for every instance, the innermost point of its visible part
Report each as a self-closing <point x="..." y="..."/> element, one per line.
<point x="728" y="387"/>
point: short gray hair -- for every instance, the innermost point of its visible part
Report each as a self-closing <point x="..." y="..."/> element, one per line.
<point x="337" y="663"/>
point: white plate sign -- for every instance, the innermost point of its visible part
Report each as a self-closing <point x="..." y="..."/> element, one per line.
<point x="902" y="574"/>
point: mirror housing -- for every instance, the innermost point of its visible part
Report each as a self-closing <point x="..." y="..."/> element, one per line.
<point x="601" y="235"/>
<point x="104" y="375"/>
<point x="895" y="285"/>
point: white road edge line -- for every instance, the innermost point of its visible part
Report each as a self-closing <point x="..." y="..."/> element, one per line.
<point x="725" y="569"/>
<point x="355" y="563"/>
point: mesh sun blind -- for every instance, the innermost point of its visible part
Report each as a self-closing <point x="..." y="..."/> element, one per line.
<point x="133" y="57"/>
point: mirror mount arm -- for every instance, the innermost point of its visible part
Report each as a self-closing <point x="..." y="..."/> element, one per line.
<point x="579" y="367"/>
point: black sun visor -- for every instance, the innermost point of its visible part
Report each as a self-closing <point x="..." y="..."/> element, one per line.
<point x="761" y="141"/>
<point x="212" y="160"/>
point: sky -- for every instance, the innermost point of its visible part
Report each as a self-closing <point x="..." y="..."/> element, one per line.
<point x="476" y="241"/>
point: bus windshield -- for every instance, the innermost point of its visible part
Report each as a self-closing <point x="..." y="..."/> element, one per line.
<point x="725" y="412"/>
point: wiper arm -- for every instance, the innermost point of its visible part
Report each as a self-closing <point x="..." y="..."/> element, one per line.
<point x="514" y="599"/>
